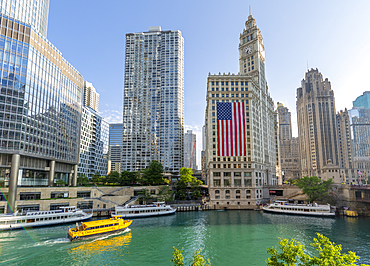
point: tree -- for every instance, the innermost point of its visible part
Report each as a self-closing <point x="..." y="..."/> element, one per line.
<point x="314" y="187"/>
<point x="82" y="180"/>
<point x="165" y="194"/>
<point x="61" y="183"/>
<point x="128" y="178"/>
<point x="144" y="195"/>
<point x="188" y="184"/>
<point x="293" y="253"/>
<point x="198" y="259"/>
<point x="153" y="175"/>
<point x="113" y="177"/>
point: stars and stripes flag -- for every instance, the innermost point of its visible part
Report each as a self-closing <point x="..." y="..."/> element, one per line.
<point x="231" y="129"/>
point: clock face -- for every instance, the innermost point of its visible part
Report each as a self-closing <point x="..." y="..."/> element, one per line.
<point x="248" y="49"/>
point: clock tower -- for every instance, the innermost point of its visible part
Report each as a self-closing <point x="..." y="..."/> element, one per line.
<point x="252" y="53"/>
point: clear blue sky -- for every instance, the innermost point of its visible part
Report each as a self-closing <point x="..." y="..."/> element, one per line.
<point x="333" y="36"/>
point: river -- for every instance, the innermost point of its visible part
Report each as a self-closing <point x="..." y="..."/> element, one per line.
<point x="226" y="237"/>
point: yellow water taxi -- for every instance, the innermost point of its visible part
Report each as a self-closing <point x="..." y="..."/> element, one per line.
<point x="98" y="227"/>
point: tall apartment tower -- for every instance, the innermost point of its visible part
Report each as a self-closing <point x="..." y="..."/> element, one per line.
<point x="93" y="144"/>
<point x="32" y="12"/>
<point x="317" y="126"/>
<point x="115" y="147"/>
<point x="289" y="157"/>
<point x="91" y="97"/>
<point x="40" y="103"/>
<point x="190" y="152"/>
<point x="239" y="128"/>
<point x="153" y="105"/>
<point x="346" y="159"/>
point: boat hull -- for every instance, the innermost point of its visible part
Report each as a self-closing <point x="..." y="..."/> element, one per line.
<point x="300" y="213"/>
<point x="96" y="235"/>
<point x="44" y="223"/>
<point x="143" y="215"/>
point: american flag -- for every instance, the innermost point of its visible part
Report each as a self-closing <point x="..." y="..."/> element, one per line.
<point x="230" y="129"/>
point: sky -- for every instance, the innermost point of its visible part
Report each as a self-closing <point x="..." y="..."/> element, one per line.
<point x="332" y="36"/>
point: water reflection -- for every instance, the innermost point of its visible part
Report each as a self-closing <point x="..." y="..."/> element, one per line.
<point x="101" y="245"/>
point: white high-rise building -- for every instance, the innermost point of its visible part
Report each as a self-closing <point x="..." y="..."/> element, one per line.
<point x="153" y="105"/>
<point x="91" y="97"/>
<point x="190" y="152"/>
<point x="239" y="125"/>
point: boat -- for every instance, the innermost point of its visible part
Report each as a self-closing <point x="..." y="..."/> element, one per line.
<point x="284" y="207"/>
<point x="98" y="227"/>
<point x="63" y="215"/>
<point x="138" y="211"/>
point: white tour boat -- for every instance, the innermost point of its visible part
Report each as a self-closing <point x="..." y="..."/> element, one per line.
<point x="137" y="211"/>
<point x="300" y="209"/>
<point x="42" y="218"/>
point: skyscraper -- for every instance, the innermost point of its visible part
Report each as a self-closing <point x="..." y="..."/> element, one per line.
<point x="289" y="157"/>
<point x="91" y="97"/>
<point x="190" y="153"/>
<point x="40" y="103"/>
<point x="317" y="126"/>
<point x="363" y="100"/>
<point x="115" y="147"/>
<point x="239" y="125"/>
<point x="153" y="105"/>
<point x="31" y="12"/>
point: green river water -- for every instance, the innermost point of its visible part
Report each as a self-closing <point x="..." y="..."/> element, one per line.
<point x="226" y="238"/>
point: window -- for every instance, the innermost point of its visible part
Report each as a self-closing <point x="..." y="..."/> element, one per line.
<point x="217" y="182"/>
<point x="247" y="182"/>
<point x="247" y="174"/>
<point x="237" y="191"/>
<point x="237" y="182"/>
<point x="83" y="194"/>
<point x="237" y="174"/>
<point x="217" y="174"/>
<point x="227" y="191"/>
<point x="217" y="191"/>
<point x="227" y="173"/>
<point x="227" y="182"/>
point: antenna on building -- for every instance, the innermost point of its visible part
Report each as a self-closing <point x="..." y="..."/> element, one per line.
<point x="250" y="12"/>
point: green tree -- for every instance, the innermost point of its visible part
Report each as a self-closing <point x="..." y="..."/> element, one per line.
<point x="61" y="183"/>
<point x="314" y="187"/>
<point x="188" y="184"/>
<point x="153" y="175"/>
<point x="95" y="177"/>
<point x="128" y="178"/>
<point x="113" y="177"/>
<point x="82" y="180"/>
<point x="165" y="194"/>
<point x="144" y="196"/>
<point x="198" y="259"/>
<point x="293" y="253"/>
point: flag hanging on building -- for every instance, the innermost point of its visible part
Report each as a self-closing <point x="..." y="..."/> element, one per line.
<point x="230" y="129"/>
<point x="359" y="172"/>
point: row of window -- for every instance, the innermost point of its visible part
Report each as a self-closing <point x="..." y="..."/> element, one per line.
<point x="231" y="95"/>
<point x="227" y="89"/>
<point x="236" y="191"/>
<point x="237" y="182"/>
<point x="242" y="83"/>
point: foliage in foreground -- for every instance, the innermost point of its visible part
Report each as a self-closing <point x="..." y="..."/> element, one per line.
<point x="198" y="260"/>
<point x="188" y="185"/>
<point x="314" y="187"/>
<point x="293" y="253"/>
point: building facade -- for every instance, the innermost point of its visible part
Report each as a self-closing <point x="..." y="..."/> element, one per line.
<point x="91" y="97"/>
<point x="93" y="144"/>
<point x="40" y="110"/>
<point x="239" y="128"/>
<point x="190" y="152"/>
<point x="317" y="126"/>
<point x="32" y="12"/>
<point x="346" y="158"/>
<point x="153" y="105"/>
<point x="115" y="147"/>
<point x="289" y="157"/>
<point x="363" y="100"/>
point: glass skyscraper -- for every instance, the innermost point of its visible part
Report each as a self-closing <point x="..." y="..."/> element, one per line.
<point x="115" y="147"/>
<point x="153" y="106"/>
<point x="32" y="12"/>
<point x="40" y="104"/>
